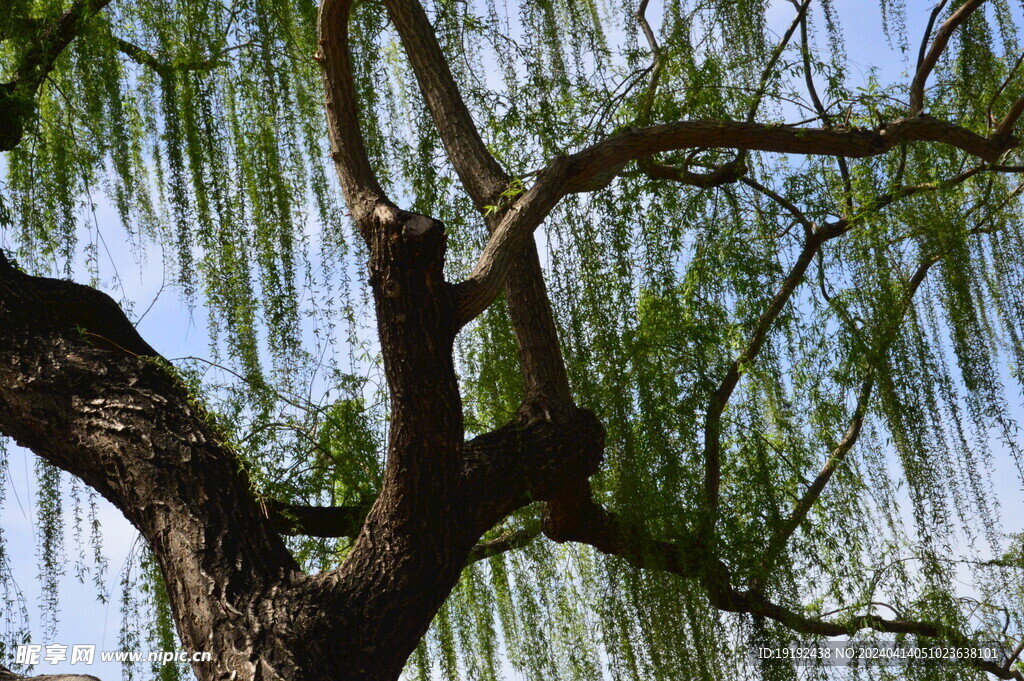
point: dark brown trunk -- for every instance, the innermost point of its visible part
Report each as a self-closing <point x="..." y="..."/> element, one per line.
<point x="81" y="389"/>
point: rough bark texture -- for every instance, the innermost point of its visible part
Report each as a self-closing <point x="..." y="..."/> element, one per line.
<point x="80" y="388"/>
<point x="8" y="675"/>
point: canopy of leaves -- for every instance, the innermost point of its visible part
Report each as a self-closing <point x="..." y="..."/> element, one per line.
<point x="201" y="122"/>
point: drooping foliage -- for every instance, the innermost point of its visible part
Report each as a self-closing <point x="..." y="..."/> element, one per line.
<point x="194" y="130"/>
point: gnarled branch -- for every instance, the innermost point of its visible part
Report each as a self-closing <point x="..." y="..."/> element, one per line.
<point x="78" y="387"/>
<point x="482" y="286"/>
<point x="544" y="372"/>
<point x="589" y="523"/>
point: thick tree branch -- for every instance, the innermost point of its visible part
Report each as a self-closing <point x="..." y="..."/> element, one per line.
<point x="578" y="519"/>
<point x="545" y="380"/>
<point x="67" y="307"/>
<point x="528" y="460"/>
<point x="480" y="173"/>
<point x="848" y="142"/>
<point x="363" y="193"/>
<point x="567" y="173"/>
<point x="544" y="372"/>
<point x="590" y="524"/>
<point x="315" y="521"/>
<point x="17" y="96"/>
<point x="81" y="390"/>
<point x="478" y="291"/>
<point x="529" y="308"/>
<point x="942" y="36"/>
<point x="532" y="459"/>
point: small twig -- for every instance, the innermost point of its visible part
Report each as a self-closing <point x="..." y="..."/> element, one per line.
<point x="776" y="53"/>
<point x="1006" y="81"/>
<point x="844" y="170"/>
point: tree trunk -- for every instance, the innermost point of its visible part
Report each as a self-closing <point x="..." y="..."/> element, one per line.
<point x="81" y="389"/>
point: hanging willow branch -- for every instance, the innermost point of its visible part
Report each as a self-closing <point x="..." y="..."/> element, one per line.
<point x="659" y="387"/>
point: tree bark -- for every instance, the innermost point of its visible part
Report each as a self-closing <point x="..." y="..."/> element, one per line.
<point x="81" y="389"/>
<point x="7" y="675"/>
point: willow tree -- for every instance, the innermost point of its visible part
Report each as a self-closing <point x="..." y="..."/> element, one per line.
<point x="753" y="386"/>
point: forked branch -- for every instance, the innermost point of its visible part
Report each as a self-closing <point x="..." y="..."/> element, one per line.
<point x="589" y="523"/>
<point x="713" y="419"/>
<point x="165" y="68"/>
<point x="41" y="57"/>
<point x="478" y="291"/>
<point x="803" y="506"/>
<point x="512" y="226"/>
<point x="731" y="170"/>
<point x="812" y="91"/>
<point x="942" y="36"/>
<point x="482" y="286"/>
<point x="779" y="539"/>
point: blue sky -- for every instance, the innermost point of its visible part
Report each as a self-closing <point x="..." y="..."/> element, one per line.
<point x="175" y="331"/>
